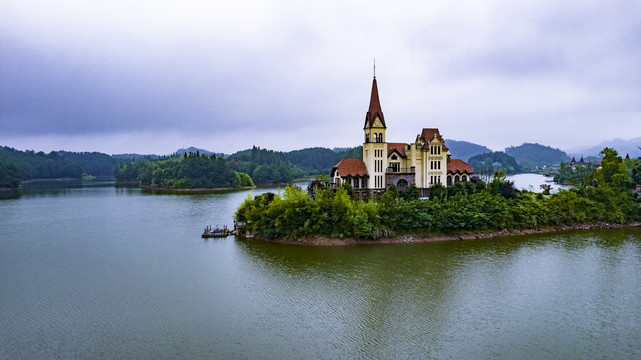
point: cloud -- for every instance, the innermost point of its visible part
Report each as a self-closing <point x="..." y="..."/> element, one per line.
<point x="290" y="74"/>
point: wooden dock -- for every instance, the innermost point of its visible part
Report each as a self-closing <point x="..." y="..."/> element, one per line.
<point x="216" y="232"/>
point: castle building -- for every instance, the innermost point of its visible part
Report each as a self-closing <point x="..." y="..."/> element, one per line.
<point x="423" y="163"/>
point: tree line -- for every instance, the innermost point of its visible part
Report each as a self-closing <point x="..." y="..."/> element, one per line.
<point x="183" y="172"/>
<point x="465" y="207"/>
<point x="16" y="166"/>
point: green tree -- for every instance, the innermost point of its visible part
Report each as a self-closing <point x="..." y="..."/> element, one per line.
<point x="613" y="171"/>
<point x="438" y="192"/>
<point x="411" y="193"/>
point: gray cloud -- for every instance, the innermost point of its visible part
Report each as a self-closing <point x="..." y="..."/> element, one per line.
<point x="285" y="76"/>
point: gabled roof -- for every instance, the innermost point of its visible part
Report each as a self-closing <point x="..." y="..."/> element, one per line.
<point x="398" y="147"/>
<point x="458" y="166"/>
<point x="374" y="108"/>
<point x="350" y="167"/>
<point x="428" y="134"/>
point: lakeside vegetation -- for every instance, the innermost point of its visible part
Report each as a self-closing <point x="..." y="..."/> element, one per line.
<point x="188" y="171"/>
<point x="242" y="169"/>
<point x="474" y="206"/>
<point x="34" y="165"/>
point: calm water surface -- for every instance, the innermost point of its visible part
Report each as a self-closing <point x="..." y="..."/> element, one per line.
<point x="105" y="272"/>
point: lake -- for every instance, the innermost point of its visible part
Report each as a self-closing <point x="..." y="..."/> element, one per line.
<point x="105" y="272"/>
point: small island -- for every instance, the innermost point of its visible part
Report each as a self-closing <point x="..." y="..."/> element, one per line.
<point x="416" y="190"/>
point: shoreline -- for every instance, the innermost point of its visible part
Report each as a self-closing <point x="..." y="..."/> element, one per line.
<point x="409" y="239"/>
<point x="50" y="180"/>
<point x="193" y="190"/>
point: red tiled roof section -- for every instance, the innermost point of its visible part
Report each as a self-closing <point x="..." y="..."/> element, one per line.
<point x="400" y="147"/>
<point x="350" y="167"/>
<point x="428" y="133"/>
<point x="459" y="166"/>
<point x="374" y="108"/>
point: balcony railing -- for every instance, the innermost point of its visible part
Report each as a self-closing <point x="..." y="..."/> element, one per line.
<point x="409" y="170"/>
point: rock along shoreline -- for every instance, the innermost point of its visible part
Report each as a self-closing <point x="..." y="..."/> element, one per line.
<point x="405" y="239"/>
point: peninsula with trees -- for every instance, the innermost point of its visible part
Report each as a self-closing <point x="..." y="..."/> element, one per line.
<point x="418" y="189"/>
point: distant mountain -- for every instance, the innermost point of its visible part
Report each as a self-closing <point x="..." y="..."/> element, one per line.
<point x="531" y="156"/>
<point x="464" y="150"/>
<point x="194" y="150"/>
<point x="623" y="146"/>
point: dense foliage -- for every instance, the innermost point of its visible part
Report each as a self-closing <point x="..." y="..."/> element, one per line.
<point x="265" y="166"/>
<point x="464" y="150"/>
<point x="532" y="156"/>
<point x="577" y="175"/>
<point x="268" y="166"/>
<point x="39" y="165"/>
<point x="353" y="153"/>
<point x="495" y="161"/>
<point x="183" y="172"/>
<point x="93" y="163"/>
<point x="465" y="207"/>
<point x="315" y="160"/>
<point x="9" y="176"/>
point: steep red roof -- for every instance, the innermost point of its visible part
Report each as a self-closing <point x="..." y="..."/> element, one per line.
<point x="400" y="147"/>
<point x="350" y="167"/>
<point x="459" y="166"/>
<point x="374" y="108"/>
<point x="428" y="133"/>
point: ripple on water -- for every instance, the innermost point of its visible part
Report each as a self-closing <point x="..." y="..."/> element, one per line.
<point x="119" y="274"/>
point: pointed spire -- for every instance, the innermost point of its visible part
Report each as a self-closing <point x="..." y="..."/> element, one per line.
<point x="374" y="108"/>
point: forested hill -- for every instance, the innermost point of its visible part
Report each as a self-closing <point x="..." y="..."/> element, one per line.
<point x="94" y="163"/>
<point x="38" y="165"/>
<point x="487" y="164"/>
<point x="532" y="156"/>
<point x="269" y="166"/>
<point x="189" y="171"/>
<point x="464" y="150"/>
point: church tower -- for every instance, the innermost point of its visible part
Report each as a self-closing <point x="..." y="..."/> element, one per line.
<point x="375" y="146"/>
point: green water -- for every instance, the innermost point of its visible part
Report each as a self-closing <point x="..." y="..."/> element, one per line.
<point x="105" y="272"/>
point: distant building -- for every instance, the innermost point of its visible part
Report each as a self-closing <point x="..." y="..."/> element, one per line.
<point x="423" y="163"/>
<point x="581" y="162"/>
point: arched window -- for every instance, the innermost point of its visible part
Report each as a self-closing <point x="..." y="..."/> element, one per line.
<point x="456" y="178"/>
<point x="380" y="137"/>
<point x="449" y="180"/>
<point x="464" y="178"/>
<point x="366" y="138"/>
<point x="375" y="138"/>
<point x="401" y="184"/>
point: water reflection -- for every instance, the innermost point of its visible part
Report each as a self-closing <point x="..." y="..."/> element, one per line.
<point x="504" y="297"/>
<point x="103" y="270"/>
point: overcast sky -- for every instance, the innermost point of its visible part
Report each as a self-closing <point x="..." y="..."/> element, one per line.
<point x="154" y="76"/>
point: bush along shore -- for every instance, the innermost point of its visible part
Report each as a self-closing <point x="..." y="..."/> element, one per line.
<point x="466" y="210"/>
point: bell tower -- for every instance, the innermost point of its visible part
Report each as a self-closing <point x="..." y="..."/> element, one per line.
<point x="374" y="145"/>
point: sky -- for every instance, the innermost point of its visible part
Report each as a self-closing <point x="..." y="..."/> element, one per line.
<point x="155" y="76"/>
